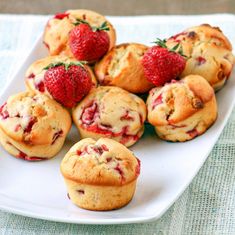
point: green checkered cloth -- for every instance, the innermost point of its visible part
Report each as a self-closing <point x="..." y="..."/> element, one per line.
<point x="206" y="207"/>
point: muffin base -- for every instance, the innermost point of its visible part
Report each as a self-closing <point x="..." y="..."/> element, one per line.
<point x="100" y="197"/>
<point x="190" y="128"/>
<point x="31" y="152"/>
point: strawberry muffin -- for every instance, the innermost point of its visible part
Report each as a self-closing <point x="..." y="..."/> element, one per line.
<point x="122" y="67"/>
<point x="100" y="175"/>
<point x="33" y="127"/>
<point x="61" y="78"/>
<point x="111" y="112"/>
<point x="83" y="34"/>
<point x="208" y="51"/>
<point x="182" y="110"/>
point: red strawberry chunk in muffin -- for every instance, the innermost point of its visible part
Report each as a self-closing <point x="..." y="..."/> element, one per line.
<point x="137" y="170"/>
<point x="28" y="128"/>
<point x="31" y="76"/>
<point x="200" y="60"/>
<point x="109" y="159"/>
<point x="99" y="149"/>
<point x="40" y="86"/>
<point x="79" y="152"/>
<point x="81" y="191"/>
<point x="127" y="137"/>
<point x="105" y="126"/>
<point x="141" y="118"/>
<point x="90" y="113"/>
<point x="61" y="16"/>
<point x="193" y="133"/>
<point x="47" y="45"/>
<point x="17" y="127"/>
<point x="157" y="101"/>
<point x="127" y="116"/>
<point x="104" y="147"/>
<point x="24" y="156"/>
<point x="4" y="113"/>
<point x="176" y="126"/>
<point x="100" y="129"/>
<point x="176" y="37"/>
<point x="56" y="136"/>
<point x="120" y="171"/>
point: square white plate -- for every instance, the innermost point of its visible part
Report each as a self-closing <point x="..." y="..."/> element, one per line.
<point x="36" y="189"/>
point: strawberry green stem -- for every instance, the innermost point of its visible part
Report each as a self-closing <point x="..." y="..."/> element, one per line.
<point x="161" y="43"/>
<point x="176" y="49"/>
<point x="66" y="65"/>
<point x="80" y="21"/>
<point x="104" y="26"/>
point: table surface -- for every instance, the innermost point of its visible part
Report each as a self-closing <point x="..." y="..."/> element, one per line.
<point x="120" y="7"/>
<point x="206" y="207"/>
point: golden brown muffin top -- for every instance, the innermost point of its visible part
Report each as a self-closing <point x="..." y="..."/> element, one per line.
<point x="178" y="100"/>
<point x="34" y="119"/>
<point x="111" y="109"/>
<point x="208" y="51"/>
<point x="196" y="35"/>
<point x="103" y="162"/>
<point x="122" y="67"/>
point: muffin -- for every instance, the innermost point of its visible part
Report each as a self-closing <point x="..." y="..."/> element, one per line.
<point x="122" y="67"/>
<point x="56" y="34"/>
<point x="100" y="175"/>
<point x="111" y="112"/>
<point x="182" y="110"/>
<point x="208" y="51"/>
<point x="33" y="127"/>
<point x="34" y="77"/>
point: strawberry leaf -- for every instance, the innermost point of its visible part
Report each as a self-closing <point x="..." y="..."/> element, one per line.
<point x="66" y="65"/>
<point x="176" y="49"/>
<point x="161" y="43"/>
<point x="80" y="21"/>
<point x="180" y="51"/>
<point x="77" y="63"/>
<point x="104" y="26"/>
<point x="52" y="65"/>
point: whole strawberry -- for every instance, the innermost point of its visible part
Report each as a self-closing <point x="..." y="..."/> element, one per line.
<point x="161" y="64"/>
<point x="89" y="43"/>
<point x="67" y="83"/>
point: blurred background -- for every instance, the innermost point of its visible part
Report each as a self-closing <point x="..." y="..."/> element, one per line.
<point x="119" y="7"/>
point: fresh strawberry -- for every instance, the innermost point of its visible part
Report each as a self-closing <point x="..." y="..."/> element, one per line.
<point x="161" y="64"/>
<point x="67" y="83"/>
<point x="89" y="43"/>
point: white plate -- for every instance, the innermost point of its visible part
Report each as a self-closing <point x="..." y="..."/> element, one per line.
<point x="37" y="189"/>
